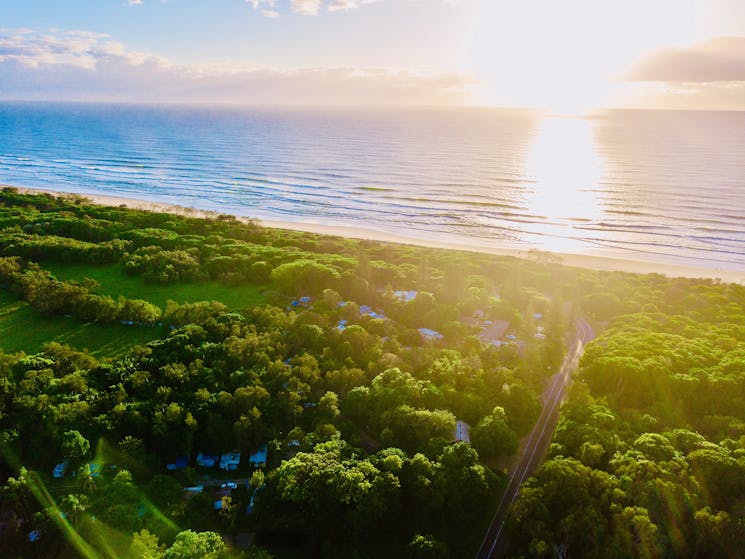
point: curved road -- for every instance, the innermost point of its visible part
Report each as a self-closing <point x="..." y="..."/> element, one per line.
<point x="539" y="439"/>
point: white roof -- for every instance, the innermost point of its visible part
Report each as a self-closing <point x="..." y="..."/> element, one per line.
<point x="405" y="295"/>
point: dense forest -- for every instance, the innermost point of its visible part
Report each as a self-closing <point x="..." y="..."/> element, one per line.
<point x="649" y="456"/>
<point x="176" y="386"/>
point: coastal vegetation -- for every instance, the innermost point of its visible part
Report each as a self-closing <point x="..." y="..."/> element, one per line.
<point x="171" y="383"/>
<point x="649" y="456"/>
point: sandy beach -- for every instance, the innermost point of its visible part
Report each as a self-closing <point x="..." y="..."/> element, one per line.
<point x="576" y="260"/>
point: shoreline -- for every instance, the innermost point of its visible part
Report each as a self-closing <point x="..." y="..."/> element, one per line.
<point x="593" y="262"/>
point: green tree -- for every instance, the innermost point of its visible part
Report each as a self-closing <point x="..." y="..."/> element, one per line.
<point x="335" y="489"/>
<point x="493" y="438"/>
<point x="427" y="547"/>
<point x="74" y="506"/>
<point x="197" y="545"/>
<point x="145" y="545"/>
<point x="75" y="446"/>
<point x="304" y="277"/>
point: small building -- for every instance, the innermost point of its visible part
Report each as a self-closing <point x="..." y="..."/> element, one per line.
<point x="367" y="310"/>
<point x="95" y="468"/>
<point x="224" y="490"/>
<point x="189" y="492"/>
<point x="493" y="331"/>
<point x="60" y="469"/>
<point x="305" y="301"/>
<point x="405" y="296"/>
<point x="258" y="458"/>
<point x="342" y="325"/>
<point x="180" y="463"/>
<point x="462" y="431"/>
<point x="207" y="460"/>
<point x="229" y="461"/>
<point x="430" y="334"/>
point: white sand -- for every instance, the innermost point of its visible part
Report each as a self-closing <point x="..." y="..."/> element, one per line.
<point x="578" y="260"/>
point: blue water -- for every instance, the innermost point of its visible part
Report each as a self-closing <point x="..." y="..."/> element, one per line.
<point x="660" y="186"/>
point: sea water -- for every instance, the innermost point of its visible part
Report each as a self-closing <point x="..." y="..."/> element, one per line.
<point x="662" y="186"/>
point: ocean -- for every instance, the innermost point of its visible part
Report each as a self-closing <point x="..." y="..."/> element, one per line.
<point x="660" y="186"/>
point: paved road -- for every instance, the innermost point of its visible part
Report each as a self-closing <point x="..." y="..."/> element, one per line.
<point x="539" y="439"/>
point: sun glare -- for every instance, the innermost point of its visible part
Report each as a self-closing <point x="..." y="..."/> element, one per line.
<point x="564" y="56"/>
<point x="564" y="169"/>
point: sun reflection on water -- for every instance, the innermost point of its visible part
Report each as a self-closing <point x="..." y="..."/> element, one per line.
<point x="563" y="171"/>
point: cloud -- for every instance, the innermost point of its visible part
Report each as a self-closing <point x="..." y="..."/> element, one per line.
<point x="337" y="5"/>
<point x="269" y="8"/>
<point x="315" y="7"/>
<point x="306" y="7"/>
<point x="80" y="49"/>
<point x="704" y="76"/>
<point x="85" y="66"/>
<point x="721" y="59"/>
<point x="265" y="7"/>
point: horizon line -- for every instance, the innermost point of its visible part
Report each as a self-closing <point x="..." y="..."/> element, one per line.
<point x="351" y="106"/>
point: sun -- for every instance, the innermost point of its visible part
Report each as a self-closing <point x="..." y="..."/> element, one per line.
<point x="564" y="56"/>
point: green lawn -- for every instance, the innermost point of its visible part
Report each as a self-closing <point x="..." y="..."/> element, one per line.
<point x="24" y="329"/>
<point x="114" y="282"/>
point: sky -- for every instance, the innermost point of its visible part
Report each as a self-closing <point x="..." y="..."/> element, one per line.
<point x="569" y="56"/>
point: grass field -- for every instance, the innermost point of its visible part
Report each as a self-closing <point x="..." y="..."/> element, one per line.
<point x="113" y="282"/>
<point x="24" y="329"/>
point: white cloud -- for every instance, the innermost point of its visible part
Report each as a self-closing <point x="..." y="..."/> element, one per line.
<point x="265" y="7"/>
<point x="315" y="7"/>
<point x="77" y="49"/>
<point x="79" y="65"/>
<point x="306" y="7"/>
<point x="262" y="4"/>
<point x="269" y="8"/>
<point x="336" y="5"/>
